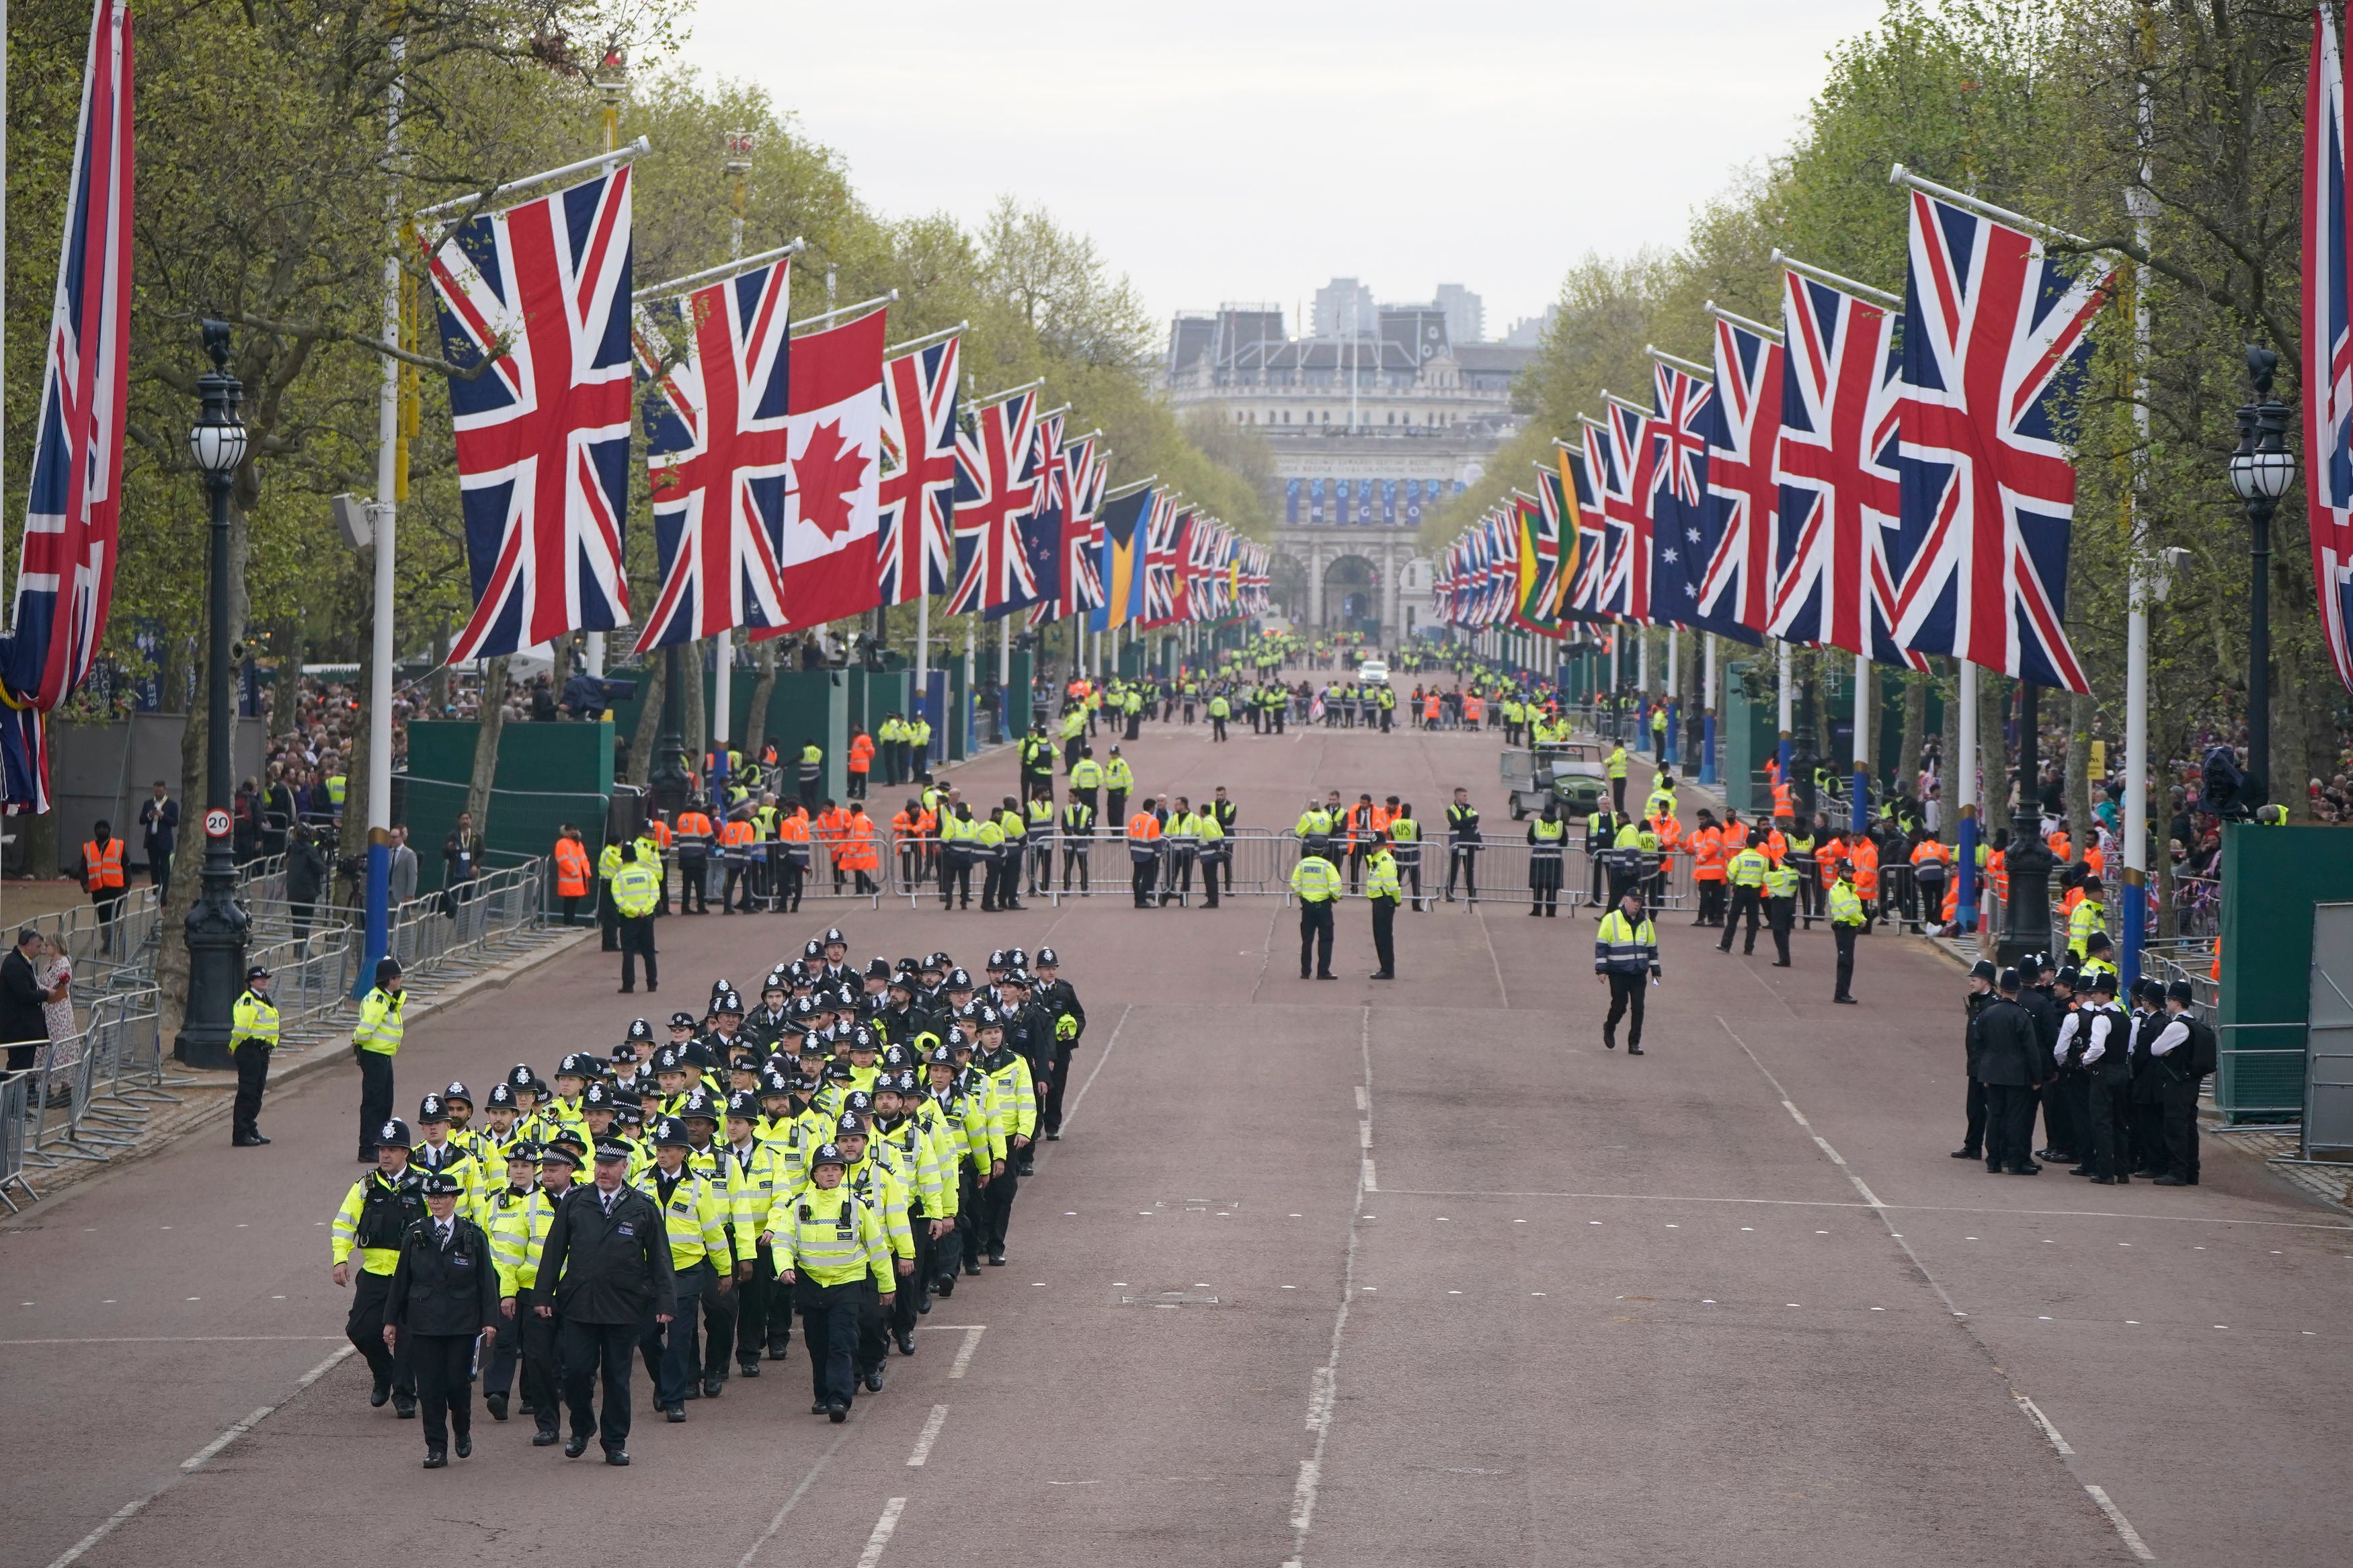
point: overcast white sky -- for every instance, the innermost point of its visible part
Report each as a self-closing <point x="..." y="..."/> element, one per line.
<point x="1226" y="150"/>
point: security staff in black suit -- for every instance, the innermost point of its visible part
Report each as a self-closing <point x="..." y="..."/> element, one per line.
<point x="605" y="1271"/>
<point x="445" y="1296"/>
<point x="1980" y="993"/>
<point x="1462" y="846"/>
<point x="2148" y="1157"/>
<point x="2009" y="1058"/>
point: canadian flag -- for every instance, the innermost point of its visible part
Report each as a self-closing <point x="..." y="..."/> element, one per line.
<point x="834" y="457"/>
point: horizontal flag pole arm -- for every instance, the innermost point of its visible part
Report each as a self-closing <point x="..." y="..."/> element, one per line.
<point x="862" y="306"/>
<point x="1523" y="495"/>
<point x="926" y="340"/>
<point x="1705" y="372"/>
<point x="602" y="161"/>
<point x="1008" y="392"/>
<point x="1131" y="490"/>
<point x="1629" y="405"/>
<point x="1069" y="440"/>
<point x="1587" y="419"/>
<point x="1578" y="448"/>
<point x="1900" y="175"/>
<point x="1823" y="275"/>
<point x="724" y="269"/>
<point x="1049" y="413"/>
<point x="1770" y="334"/>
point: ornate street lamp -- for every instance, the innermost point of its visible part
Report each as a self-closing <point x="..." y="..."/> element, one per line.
<point x="2261" y="469"/>
<point x="217" y="925"/>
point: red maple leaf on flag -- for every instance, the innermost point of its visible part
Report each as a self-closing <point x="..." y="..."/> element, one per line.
<point x="825" y="476"/>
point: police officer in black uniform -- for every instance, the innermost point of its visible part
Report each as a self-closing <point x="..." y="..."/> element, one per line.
<point x="2184" y="1051"/>
<point x="444" y="1297"/>
<point x="1462" y="840"/>
<point x="606" y="1271"/>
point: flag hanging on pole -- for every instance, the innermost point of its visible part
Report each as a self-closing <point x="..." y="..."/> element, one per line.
<point x="1164" y="548"/>
<point x="64" y="568"/>
<point x="1125" y="523"/>
<point x="1582" y="485"/>
<point x="1082" y="589"/>
<point x="1735" y="587"/>
<point x="1837" y="474"/>
<point x="1996" y="337"/>
<point x="2327" y="377"/>
<point x="1041" y="526"/>
<point x="543" y="437"/>
<point x="716" y="438"/>
<point x="1680" y="505"/>
<point x="995" y="491"/>
<point x="832" y="499"/>
<point x="1627" y="482"/>
<point x="915" y="527"/>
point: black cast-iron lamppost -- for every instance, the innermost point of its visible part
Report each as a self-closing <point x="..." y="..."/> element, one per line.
<point x="2261" y="469"/>
<point x="217" y="925"/>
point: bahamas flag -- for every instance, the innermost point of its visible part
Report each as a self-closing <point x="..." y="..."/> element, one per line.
<point x="1122" y="563"/>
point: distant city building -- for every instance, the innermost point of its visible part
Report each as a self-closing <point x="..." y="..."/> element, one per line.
<point x="1528" y="331"/>
<point x="1369" y="425"/>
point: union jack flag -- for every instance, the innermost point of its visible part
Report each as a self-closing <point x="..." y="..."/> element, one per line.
<point x="65" y="571"/>
<point x="1627" y="484"/>
<point x="1836" y="466"/>
<point x="1736" y="591"/>
<point x="1164" y="541"/>
<point x="1089" y="475"/>
<point x="715" y="456"/>
<point x="917" y="536"/>
<point x="1585" y="469"/>
<point x="1678" y="496"/>
<point x="544" y="436"/>
<point x="996" y="485"/>
<point x="2328" y="342"/>
<point x="1996" y="339"/>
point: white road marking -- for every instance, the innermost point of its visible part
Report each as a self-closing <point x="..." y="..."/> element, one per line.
<point x="1364" y="1137"/>
<point x="2034" y="1414"/>
<point x="1324" y="1387"/>
<point x="885" y="1528"/>
<point x="929" y="1436"/>
<point x="1371" y="1183"/>
<point x="2124" y="1526"/>
<point x="963" y="1352"/>
<point x="196" y="1461"/>
<point x="792" y="1502"/>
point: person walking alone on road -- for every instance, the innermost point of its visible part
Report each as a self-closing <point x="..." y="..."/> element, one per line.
<point x="1846" y="922"/>
<point x="1782" y="884"/>
<point x="605" y="1269"/>
<point x="1317" y="883"/>
<point x="635" y="890"/>
<point x="444" y="1297"/>
<point x="1626" y="957"/>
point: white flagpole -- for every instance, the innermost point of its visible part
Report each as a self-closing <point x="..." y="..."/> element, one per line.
<point x="1861" y="816"/>
<point x="376" y="916"/>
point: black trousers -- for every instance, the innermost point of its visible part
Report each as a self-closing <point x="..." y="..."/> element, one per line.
<point x="1217" y="725"/>
<point x="1746" y="900"/>
<point x="1464" y="858"/>
<point x="1544" y="886"/>
<point x="956" y="879"/>
<point x="543" y="1369"/>
<point x="1626" y="994"/>
<point x="443" y="1365"/>
<point x="1145" y="873"/>
<point x="1409" y="873"/>
<point x="2009" y="1126"/>
<point x="375" y="1096"/>
<point x="638" y="940"/>
<point x="1598" y="862"/>
<point x="763" y="1314"/>
<point x="1844" y="936"/>
<point x="608" y="919"/>
<point x="1058" y="1082"/>
<point x="1711" y="901"/>
<point x="670" y="1348"/>
<point x="365" y="1328"/>
<point x="1777" y="919"/>
<point x="2111" y="1124"/>
<point x="1384" y="934"/>
<point x="830" y="1323"/>
<point x="1179" y="882"/>
<point x="1315" y="938"/>
<point x="2180" y="1113"/>
<point x="252" y="1058"/>
<point x="2067" y="1115"/>
<point x="996" y="1203"/>
<point x="1973" y="1107"/>
<point x="1074" y="860"/>
<point x="1809" y="895"/>
<point x="720" y="1311"/>
<point x="588" y="1354"/>
<point x="912" y="1287"/>
<point x="965" y="1245"/>
<point x="1210" y="862"/>
<point x="693" y="892"/>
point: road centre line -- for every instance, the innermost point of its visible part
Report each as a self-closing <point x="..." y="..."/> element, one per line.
<point x="1883" y="1207"/>
<point x="1324" y="1385"/>
<point x="885" y="1528"/>
<point x="196" y="1461"/>
<point x="929" y="1436"/>
<point x="963" y="1353"/>
<point x="792" y="1502"/>
<point x="2067" y="1456"/>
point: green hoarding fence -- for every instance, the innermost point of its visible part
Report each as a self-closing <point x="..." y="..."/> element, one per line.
<point x="2272" y="876"/>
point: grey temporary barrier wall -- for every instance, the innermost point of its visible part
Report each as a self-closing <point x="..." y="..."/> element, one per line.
<point x="2328" y="1037"/>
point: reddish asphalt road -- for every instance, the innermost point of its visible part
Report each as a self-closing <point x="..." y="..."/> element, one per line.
<point x="1456" y="1286"/>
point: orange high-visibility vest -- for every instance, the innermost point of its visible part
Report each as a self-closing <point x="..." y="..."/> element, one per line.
<point x="1864" y="855"/>
<point x="858" y="848"/>
<point x="661" y="830"/>
<point x="1998" y="868"/>
<point x="693" y="831"/>
<point x="862" y="753"/>
<point x="1707" y="854"/>
<point x="1776" y="846"/>
<point x="102" y="867"/>
<point x="1143" y="828"/>
<point x="571" y="870"/>
<point x="1430" y="707"/>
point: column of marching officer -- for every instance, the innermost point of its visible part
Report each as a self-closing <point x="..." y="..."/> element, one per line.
<point x="841" y="1154"/>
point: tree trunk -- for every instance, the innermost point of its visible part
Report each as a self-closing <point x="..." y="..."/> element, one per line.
<point x="693" y="717"/>
<point x="437" y="685"/>
<point x="641" y="742"/>
<point x="1817" y="689"/>
<point x="493" y="714"/>
<point x="2080" y="783"/>
<point x="1948" y="779"/>
<point x="1993" y="749"/>
<point x="1915" y="721"/>
<point x="286" y="692"/>
<point x="753" y="724"/>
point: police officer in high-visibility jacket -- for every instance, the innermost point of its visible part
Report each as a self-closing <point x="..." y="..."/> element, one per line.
<point x="829" y="1247"/>
<point x="1317" y="883"/>
<point x="375" y="1214"/>
<point x="1547" y="838"/>
<point x="1626" y="957"/>
<point x="636" y="891"/>
<point x="694" y="1216"/>
<point x="376" y="1040"/>
<point x="1745" y="874"/>
<point x="1846" y="922"/>
<point x="1382" y="892"/>
<point x="253" y="1035"/>
<point x="1782" y="884"/>
<point x="2084" y="919"/>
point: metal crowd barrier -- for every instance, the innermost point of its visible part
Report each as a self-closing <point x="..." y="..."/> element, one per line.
<point x="13" y="1133"/>
<point x="479" y="919"/>
<point x="83" y="1097"/>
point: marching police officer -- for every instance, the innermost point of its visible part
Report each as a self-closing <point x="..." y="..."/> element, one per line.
<point x="375" y="1214"/>
<point x="605" y="1269"/>
<point x="829" y="1251"/>
<point x="444" y="1297"/>
<point x="253" y="1025"/>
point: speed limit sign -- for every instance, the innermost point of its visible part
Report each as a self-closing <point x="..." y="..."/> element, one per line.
<point x="216" y="823"/>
